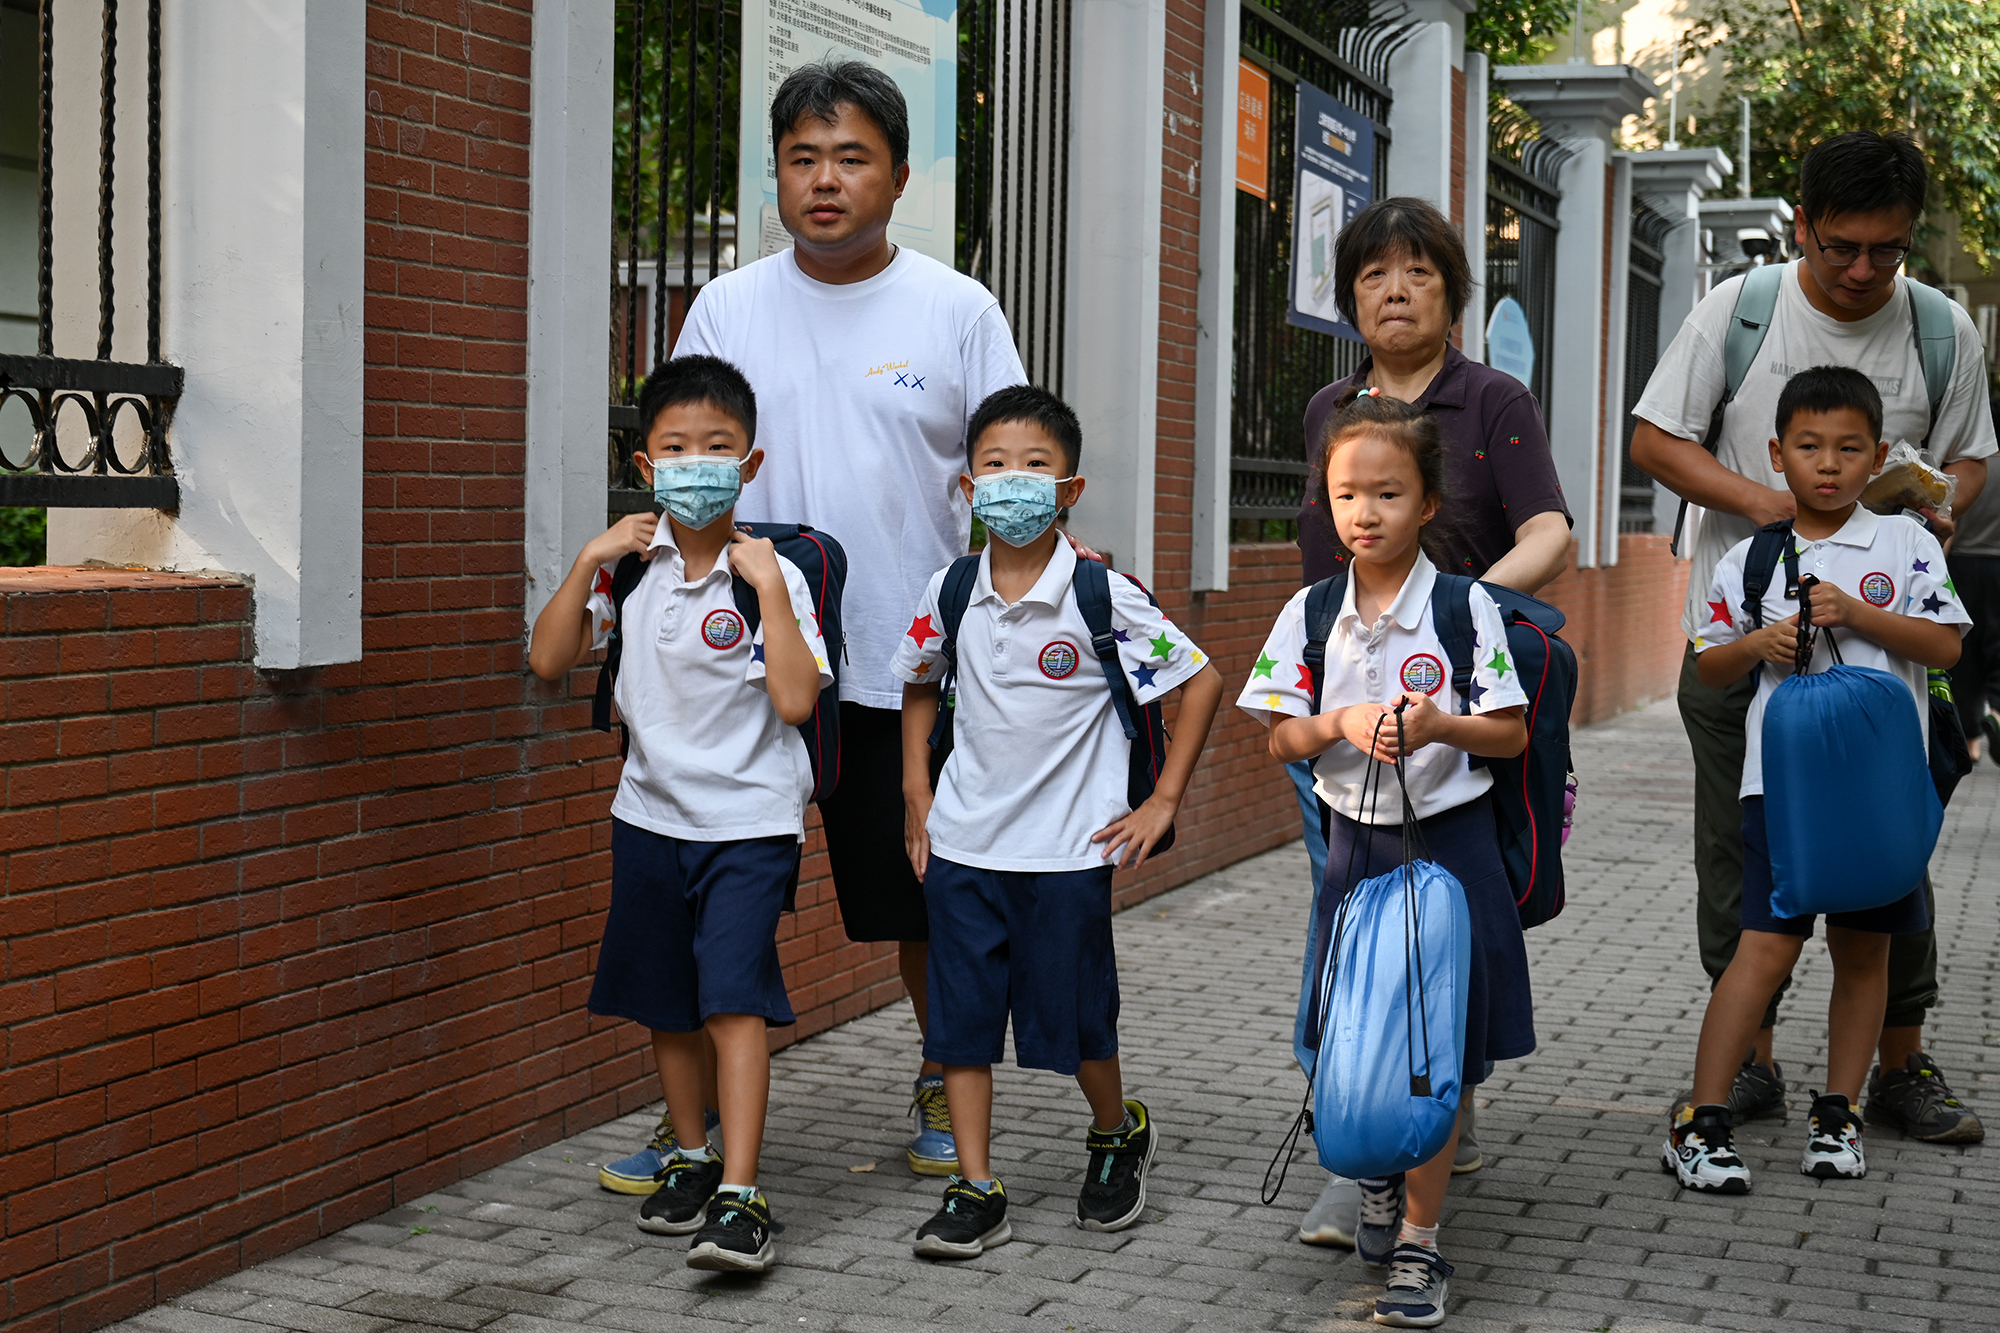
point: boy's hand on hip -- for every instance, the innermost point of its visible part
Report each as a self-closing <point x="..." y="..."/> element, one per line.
<point x="755" y="559"/>
<point x="634" y="532"/>
<point x="1137" y="833"/>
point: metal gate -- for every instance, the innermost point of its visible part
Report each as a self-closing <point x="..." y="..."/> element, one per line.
<point x="1522" y="199"/>
<point x="674" y="220"/>
<point x="1645" y="261"/>
<point x="1277" y="366"/>
<point x="93" y="427"/>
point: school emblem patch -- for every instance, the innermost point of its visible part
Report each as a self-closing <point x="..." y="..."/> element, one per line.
<point x="722" y="629"/>
<point x="1059" y="659"/>
<point x="1423" y="674"/>
<point x="1878" y="589"/>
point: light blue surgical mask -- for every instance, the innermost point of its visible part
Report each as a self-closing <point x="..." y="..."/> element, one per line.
<point x="699" y="490"/>
<point x="1016" y="507"/>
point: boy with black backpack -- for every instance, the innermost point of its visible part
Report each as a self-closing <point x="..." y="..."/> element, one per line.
<point x="719" y="662"/>
<point x="1054" y="763"/>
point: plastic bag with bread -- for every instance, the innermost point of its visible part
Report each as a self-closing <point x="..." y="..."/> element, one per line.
<point x="1908" y="482"/>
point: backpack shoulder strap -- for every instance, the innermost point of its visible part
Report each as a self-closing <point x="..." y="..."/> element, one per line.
<point x="1937" y="340"/>
<point x="1091" y="584"/>
<point x="1323" y="601"/>
<point x="625" y="577"/>
<point x="1748" y="323"/>
<point x="953" y="597"/>
<point x="1451" y="616"/>
<point x="1768" y="545"/>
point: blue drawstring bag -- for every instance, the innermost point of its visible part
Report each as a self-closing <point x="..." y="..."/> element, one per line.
<point x="1844" y="729"/>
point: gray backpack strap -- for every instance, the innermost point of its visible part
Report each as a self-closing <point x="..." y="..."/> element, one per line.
<point x="1937" y="343"/>
<point x="1749" y="321"/>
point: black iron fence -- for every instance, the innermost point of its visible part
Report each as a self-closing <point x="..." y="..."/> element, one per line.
<point x="95" y="426"/>
<point x="1522" y="199"/>
<point x="1645" y="260"/>
<point x="675" y="217"/>
<point x="1339" y="48"/>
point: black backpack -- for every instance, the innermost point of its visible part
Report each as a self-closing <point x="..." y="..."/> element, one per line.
<point x="1144" y="726"/>
<point x="824" y="565"/>
<point x="1528" y="790"/>
<point x="1950" y="757"/>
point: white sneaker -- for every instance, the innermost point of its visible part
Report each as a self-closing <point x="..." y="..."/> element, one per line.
<point x="1332" y="1218"/>
<point x="1702" y="1156"/>
<point x="1833" y="1142"/>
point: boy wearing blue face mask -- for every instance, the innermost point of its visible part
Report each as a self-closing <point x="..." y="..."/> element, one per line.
<point x="1016" y="848"/>
<point x="710" y="808"/>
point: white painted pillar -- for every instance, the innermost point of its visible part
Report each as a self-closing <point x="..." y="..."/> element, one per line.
<point x="1117" y="88"/>
<point x="569" y="226"/>
<point x="262" y="307"/>
<point x="1582" y="106"/>
<point x="1472" y="338"/>
<point x="1215" y="297"/>
<point x="1611" y="429"/>
<point x="1420" y="119"/>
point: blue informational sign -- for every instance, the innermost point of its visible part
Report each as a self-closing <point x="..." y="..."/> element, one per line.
<point x="1333" y="179"/>
<point x="1509" y="344"/>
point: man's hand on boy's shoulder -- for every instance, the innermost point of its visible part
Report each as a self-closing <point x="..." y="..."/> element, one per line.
<point x="634" y="532"/>
<point x="755" y="559"/>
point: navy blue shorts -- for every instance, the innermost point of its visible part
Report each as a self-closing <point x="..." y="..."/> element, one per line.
<point x="1908" y="915"/>
<point x="1036" y="944"/>
<point x="693" y="930"/>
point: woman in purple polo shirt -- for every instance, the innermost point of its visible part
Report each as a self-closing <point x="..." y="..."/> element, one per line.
<point x="1401" y="278"/>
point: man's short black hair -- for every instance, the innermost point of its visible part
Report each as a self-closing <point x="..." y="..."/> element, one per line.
<point x="1395" y="226"/>
<point x="821" y="88"/>
<point x="697" y="379"/>
<point x="1862" y="172"/>
<point x="1038" y="408"/>
<point x="1829" y="389"/>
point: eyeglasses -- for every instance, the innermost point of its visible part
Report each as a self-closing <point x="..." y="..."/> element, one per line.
<point x="1843" y="256"/>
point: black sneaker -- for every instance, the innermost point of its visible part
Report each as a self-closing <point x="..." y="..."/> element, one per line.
<point x="1756" y="1093"/>
<point x="1114" y="1186"/>
<point x="1989" y="727"/>
<point x="971" y="1222"/>
<point x="736" y="1238"/>
<point x="1915" y="1100"/>
<point x="685" y="1186"/>
<point x="1701" y="1155"/>
<point x="1833" y="1141"/>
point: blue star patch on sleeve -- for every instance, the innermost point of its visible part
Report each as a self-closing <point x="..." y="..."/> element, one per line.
<point x="756" y="652"/>
<point x="1477" y="692"/>
<point x="1921" y="567"/>
<point x="1144" y="675"/>
<point x="1933" y="604"/>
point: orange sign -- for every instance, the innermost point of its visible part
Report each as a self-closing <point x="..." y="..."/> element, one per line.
<point x="1253" y="129"/>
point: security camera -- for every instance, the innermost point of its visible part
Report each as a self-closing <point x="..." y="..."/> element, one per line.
<point x="1756" y="244"/>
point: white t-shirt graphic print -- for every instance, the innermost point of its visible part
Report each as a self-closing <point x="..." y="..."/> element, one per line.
<point x="863" y="393"/>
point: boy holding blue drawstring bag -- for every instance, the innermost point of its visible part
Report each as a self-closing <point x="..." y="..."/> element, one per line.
<point x="1875" y="594"/>
<point x="1387" y="698"/>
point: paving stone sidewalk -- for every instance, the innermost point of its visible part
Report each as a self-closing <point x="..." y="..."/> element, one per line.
<point x="1570" y="1226"/>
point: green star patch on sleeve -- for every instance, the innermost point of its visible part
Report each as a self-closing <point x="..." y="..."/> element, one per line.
<point x="1264" y="664"/>
<point x="1163" y="647"/>
<point x="1499" y="663"/>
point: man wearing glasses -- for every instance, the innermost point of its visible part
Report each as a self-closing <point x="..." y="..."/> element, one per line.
<point x="1844" y="304"/>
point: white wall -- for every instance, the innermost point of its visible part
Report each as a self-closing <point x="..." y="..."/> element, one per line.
<point x="262" y="193"/>
<point x="1575" y="401"/>
<point x="1215" y="298"/>
<point x="569" y="362"/>
<point x="1114" y="304"/>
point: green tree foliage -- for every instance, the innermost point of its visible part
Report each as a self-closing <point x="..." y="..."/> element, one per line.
<point x="1821" y="67"/>
<point x="24" y="537"/>
<point x="1519" y="32"/>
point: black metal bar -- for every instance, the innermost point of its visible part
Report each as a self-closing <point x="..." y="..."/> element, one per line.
<point x="1332" y="57"/>
<point x="153" y="180"/>
<point x="715" y="150"/>
<point x="1523" y="207"/>
<point x="624" y="500"/>
<point x="1059" y="244"/>
<point x="1028" y="312"/>
<point x="57" y="491"/>
<point x="45" y="216"/>
<point x="1286" y="75"/>
<point x="632" y="204"/>
<point x="1014" y="181"/>
<point x="64" y="374"/>
<point x="107" y="175"/>
<point x="693" y="114"/>
<point x="660" y="222"/>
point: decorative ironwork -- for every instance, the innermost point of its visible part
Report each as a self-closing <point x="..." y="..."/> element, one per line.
<point x="98" y="427"/>
<point x="1646" y="259"/>
<point x="1522" y="200"/>
<point x="1343" y="48"/>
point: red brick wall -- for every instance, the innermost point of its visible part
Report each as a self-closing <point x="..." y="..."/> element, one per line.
<point x="1625" y="625"/>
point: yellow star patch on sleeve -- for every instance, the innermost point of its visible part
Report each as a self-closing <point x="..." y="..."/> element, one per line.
<point x="1196" y="658"/>
<point x="1273" y="702"/>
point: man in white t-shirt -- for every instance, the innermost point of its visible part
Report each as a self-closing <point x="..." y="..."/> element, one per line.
<point x="1843" y="304"/>
<point x="868" y="359"/>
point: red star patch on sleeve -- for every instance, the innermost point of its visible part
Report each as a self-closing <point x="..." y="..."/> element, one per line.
<point x="603" y="583"/>
<point x="1721" y="614"/>
<point x="921" y="629"/>
<point x="1305" y="678"/>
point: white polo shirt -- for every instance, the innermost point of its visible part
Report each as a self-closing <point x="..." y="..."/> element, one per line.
<point x="1891" y="563"/>
<point x="1038" y="760"/>
<point x="710" y="759"/>
<point x="1376" y="664"/>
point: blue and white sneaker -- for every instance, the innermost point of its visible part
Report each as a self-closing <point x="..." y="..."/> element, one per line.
<point x="933" y="1152"/>
<point x="1381" y="1225"/>
<point x="640" y="1173"/>
<point x="1415" y="1293"/>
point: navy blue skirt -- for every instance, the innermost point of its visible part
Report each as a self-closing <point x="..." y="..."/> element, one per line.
<point x="1500" y="1008"/>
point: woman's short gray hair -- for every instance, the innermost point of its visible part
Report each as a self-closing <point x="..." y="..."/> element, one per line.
<point x="1393" y="226"/>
